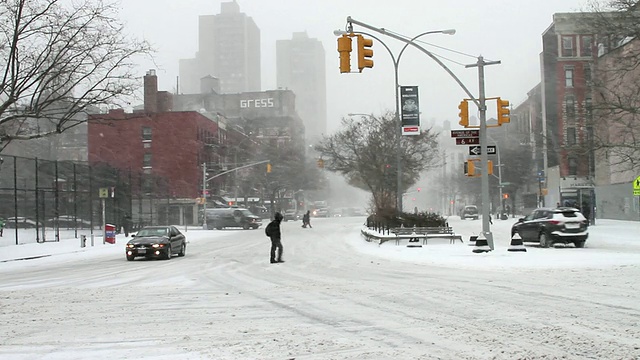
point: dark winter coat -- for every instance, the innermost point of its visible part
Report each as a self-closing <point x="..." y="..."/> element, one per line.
<point x="273" y="229"/>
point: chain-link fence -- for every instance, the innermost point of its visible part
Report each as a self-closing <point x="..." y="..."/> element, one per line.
<point x="41" y="198"/>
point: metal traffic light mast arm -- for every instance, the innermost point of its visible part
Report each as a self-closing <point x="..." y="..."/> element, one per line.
<point x="238" y="168"/>
<point x="351" y="21"/>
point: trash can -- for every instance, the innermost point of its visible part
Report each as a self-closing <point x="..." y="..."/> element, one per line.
<point x="110" y="233"/>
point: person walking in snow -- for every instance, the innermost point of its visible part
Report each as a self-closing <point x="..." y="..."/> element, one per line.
<point x="306" y="219"/>
<point x="273" y="232"/>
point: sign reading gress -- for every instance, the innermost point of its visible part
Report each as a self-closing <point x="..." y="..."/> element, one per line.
<point x="257" y="103"/>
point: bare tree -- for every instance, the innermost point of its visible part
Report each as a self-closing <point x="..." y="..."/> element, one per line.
<point x="365" y="153"/>
<point x="614" y="114"/>
<point x="60" y="61"/>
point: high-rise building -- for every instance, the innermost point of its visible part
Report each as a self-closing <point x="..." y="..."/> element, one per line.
<point x="301" y="68"/>
<point x="228" y="49"/>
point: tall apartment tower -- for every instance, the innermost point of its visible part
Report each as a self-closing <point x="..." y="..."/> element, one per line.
<point x="228" y="49"/>
<point x="301" y="68"/>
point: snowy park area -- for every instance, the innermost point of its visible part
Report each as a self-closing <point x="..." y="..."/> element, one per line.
<point x="337" y="296"/>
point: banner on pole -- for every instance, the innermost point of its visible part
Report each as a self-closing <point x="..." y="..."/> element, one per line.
<point x="410" y="106"/>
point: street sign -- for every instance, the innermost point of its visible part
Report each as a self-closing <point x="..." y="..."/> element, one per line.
<point x="477" y="150"/>
<point x="465" y="133"/>
<point x="636" y="186"/>
<point x="467" y="141"/>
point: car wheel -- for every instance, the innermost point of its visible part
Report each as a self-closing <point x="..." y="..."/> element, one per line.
<point x="130" y="257"/>
<point x="246" y="226"/>
<point x="183" y="250"/>
<point x="544" y="240"/>
<point x="579" y="244"/>
<point x="167" y="255"/>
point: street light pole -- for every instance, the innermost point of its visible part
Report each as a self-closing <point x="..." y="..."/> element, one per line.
<point x="204" y="194"/>
<point x="481" y="103"/>
<point x="499" y="173"/>
<point x="484" y="157"/>
<point x="396" y="64"/>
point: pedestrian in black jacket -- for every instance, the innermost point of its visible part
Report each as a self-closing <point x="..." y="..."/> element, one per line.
<point x="306" y="219"/>
<point x="273" y="232"/>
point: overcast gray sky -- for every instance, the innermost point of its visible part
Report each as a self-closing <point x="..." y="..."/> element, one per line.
<point x="505" y="30"/>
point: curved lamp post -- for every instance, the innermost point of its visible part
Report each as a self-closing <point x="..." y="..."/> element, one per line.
<point x="396" y="63"/>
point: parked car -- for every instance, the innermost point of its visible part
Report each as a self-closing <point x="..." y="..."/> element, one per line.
<point x="22" y="222"/>
<point x="232" y="217"/>
<point x="470" y="211"/>
<point x="156" y="242"/>
<point x="553" y="225"/>
<point x="292" y="215"/>
<point x="68" y="222"/>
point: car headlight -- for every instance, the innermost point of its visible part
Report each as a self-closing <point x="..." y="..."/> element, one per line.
<point x="130" y="245"/>
<point x="157" y="246"/>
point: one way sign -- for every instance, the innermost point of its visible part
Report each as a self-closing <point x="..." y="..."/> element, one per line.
<point x="477" y="150"/>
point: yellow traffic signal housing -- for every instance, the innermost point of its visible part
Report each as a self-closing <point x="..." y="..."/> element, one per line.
<point x="471" y="169"/>
<point x="504" y="114"/>
<point x="365" y="53"/>
<point x="464" y="113"/>
<point x="268" y="167"/>
<point x="320" y="163"/>
<point x="344" y="48"/>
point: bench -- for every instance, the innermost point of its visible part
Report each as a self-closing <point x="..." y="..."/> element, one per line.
<point x="412" y="234"/>
<point x="424" y="233"/>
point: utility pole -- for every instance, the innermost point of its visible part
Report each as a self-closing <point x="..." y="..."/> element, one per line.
<point x="484" y="158"/>
<point x="204" y="195"/>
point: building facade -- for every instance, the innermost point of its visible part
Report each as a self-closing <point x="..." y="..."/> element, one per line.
<point x="228" y="49"/>
<point x="617" y="130"/>
<point x="301" y="68"/>
<point x="567" y="60"/>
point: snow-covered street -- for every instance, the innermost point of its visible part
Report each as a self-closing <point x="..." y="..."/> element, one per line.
<point x="336" y="297"/>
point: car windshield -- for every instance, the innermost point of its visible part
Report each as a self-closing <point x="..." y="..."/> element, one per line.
<point x="246" y="212"/>
<point x="152" y="232"/>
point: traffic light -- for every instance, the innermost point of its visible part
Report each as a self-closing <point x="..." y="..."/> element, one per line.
<point x="365" y="53"/>
<point x="470" y="168"/>
<point x="464" y="113"/>
<point x="344" y="48"/>
<point x="268" y="167"/>
<point x="320" y="163"/>
<point x="504" y="114"/>
<point x="419" y="189"/>
<point x="505" y="196"/>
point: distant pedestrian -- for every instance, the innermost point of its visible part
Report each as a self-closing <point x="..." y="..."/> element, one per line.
<point x="126" y="224"/>
<point x="306" y="219"/>
<point x="1" y="226"/>
<point x="273" y="232"/>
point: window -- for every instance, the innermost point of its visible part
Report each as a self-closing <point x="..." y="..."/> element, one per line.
<point x="587" y="46"/>
<point x="571" y="136"/>
<point x="588" y="108"/>
<point x="146" y="133"/>
<point x="146" y="162"/>
<point x="567" y="46"/>
<point x="570" y="106"/>
<point x="573" y="166"/>
<point x="568" y="76"/>
<point x="587" y="74"/>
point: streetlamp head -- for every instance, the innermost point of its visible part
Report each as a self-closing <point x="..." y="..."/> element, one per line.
<point x="449" y="31"/>
<point x="339" y="32"/>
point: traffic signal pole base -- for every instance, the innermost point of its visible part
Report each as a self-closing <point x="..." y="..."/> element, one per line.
<point x="489" y="236"/>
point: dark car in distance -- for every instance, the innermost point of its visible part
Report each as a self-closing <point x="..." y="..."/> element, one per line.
<point x="469" y="211"/>
<point x="156" y="242"/>
<point x="291" y="215"/>
<point x="221" y="218"/>
<point x="549" y="226"/>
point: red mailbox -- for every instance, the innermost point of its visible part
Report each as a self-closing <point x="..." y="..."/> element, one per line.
<point x="110" y="233"/>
